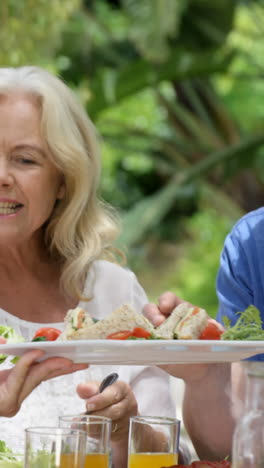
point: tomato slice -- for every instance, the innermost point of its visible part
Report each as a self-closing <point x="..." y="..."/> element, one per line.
<point x="213" y="331"/>
<point x="139" y="332"/>
<point x="51" y="334"/>
<point x="2" y="340"/>
<point x="120" y="335"/>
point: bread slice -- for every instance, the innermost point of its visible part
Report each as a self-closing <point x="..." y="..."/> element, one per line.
<point x="75" y="320"/>
<point x="123" y="318"/>
<point x="192" y="325"/>
<point x="166" y="329"/>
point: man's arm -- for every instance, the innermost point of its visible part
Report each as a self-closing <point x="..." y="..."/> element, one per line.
<point x="210" y="410"/>
<point x="211" y="406"/>
<point x="212" y="395"/>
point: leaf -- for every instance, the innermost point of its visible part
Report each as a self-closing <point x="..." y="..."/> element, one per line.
<point x="140" y="74"/>
<point x="152" y="23"/>
<point x="247" y="327"/>
<point x="151" y="210"/>
<point x="226" y="322"/>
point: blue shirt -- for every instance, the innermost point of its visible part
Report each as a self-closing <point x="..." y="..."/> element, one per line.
<point x="240" y="280"/>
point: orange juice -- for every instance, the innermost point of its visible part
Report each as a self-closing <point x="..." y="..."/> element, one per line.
<point x="152" y="460"/>
<point x="92" y="460"/>
<point x="96" y="460"/>
<point x="70" y="460"/>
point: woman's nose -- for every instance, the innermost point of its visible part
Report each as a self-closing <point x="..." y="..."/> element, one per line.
<point x="6" y="177"/>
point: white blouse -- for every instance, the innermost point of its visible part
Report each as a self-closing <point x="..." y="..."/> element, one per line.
<point x="110" y="286"/>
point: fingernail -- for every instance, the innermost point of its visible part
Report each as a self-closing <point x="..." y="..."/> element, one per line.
<point x="90" y="407"/>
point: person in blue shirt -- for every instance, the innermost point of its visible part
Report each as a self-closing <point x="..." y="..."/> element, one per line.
<point x="240" y="280"/>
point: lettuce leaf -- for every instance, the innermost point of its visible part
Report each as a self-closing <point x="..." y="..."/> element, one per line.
<point x="249" y="326"/>
<point x="4" y="448"/>
<point x="10" y="334"/>
<point x="12" y="337"/>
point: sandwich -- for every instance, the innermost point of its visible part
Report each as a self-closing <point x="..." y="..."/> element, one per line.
<point x="192" y="324"/>
<point x="83" y="327"/>
<point x="76" y="320"/>
<point x="186" y="322"/>
<point x="166" y="330"/>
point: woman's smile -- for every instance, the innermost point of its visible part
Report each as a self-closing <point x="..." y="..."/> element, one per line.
<point x="9" y="208"/>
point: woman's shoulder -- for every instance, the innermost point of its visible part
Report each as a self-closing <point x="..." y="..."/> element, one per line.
<point x="110" y="286"/>
<point x="108" y="276"/>
<point x="106" y="268"/>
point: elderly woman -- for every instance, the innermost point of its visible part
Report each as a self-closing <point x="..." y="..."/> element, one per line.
<point x="56" y="252"/>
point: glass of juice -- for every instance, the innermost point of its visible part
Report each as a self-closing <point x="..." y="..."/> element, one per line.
<point x="98" y="433"/>
<point x="54" y="447"/>
<point x="153" y="442"/>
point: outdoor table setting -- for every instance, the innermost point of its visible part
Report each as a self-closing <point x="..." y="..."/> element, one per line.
<point x="83" y="440"/>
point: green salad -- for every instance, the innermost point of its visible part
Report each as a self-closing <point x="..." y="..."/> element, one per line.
<point x="249" y="326"/>
<point x="8" y="459"/>
<point x="12" y="337"/>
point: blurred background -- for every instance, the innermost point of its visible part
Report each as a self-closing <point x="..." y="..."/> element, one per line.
<point x="175" y="89"/>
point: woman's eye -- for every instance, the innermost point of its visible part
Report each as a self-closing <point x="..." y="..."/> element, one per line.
<point x="26" y="160"/>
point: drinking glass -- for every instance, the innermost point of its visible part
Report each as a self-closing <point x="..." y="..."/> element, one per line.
<point x="98" y="432"/>
<point x="153" y="441"/>
<point x="54" y="447"/>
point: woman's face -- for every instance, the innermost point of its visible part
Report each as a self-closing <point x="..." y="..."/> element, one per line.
<point x="30" y="184"/>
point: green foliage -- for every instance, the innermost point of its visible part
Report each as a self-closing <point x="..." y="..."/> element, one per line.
<point x="241" y="89"/>
<point x="30" y="30"/>
<point x="191" y="272"/>
<point x="207" y="23"/>
<point x="127" y="160"/>
<point x="197" y="269"/>
<point x="152" y="209"/>
<point x="138" y="44"/>
<point x="152" y="25"/>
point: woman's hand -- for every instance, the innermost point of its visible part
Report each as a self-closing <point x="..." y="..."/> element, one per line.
<point x="18" y="382"/>
<point x="116" y="402"/>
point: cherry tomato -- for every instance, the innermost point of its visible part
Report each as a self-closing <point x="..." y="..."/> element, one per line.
<point x="2" y="340"/>
<point x="213" y="331"/>
<point x="139" y="332"/>
<point x="51" y="334"/>
<point x="120" y="335"/>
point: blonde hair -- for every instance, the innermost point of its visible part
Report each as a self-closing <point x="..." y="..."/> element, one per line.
<point x="81" y="228"/>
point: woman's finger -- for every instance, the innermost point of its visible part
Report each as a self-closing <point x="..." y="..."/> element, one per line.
<point x="20" y="371"/>
<point x="87" y="389"/>
<point x="66" y="370"/>
<point x="100" y="401"/>
<point x="43" y="371"/>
